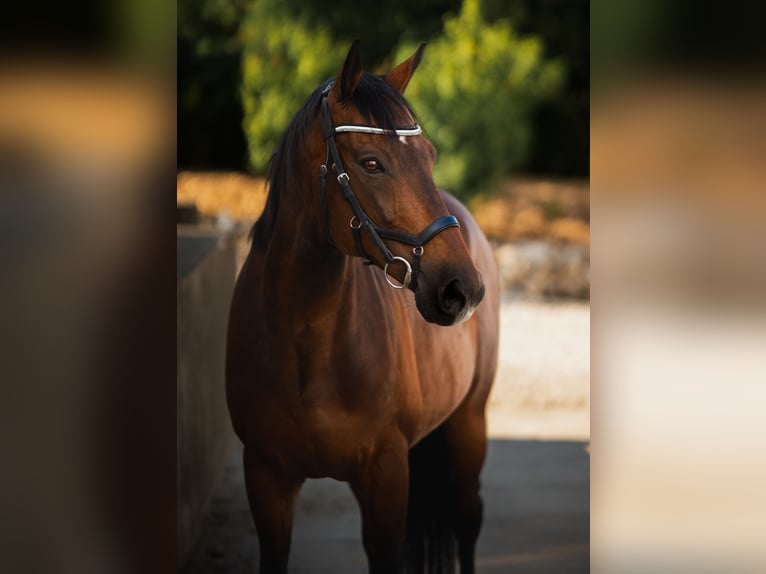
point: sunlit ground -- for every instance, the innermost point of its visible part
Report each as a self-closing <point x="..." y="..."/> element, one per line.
<point x="542" y="388"/>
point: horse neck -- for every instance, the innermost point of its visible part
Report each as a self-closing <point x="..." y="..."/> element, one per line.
<point x="299" y="252"/>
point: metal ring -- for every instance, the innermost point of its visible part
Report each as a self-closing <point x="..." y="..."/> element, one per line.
<point x="407" y="274"/>
<point x="351" y="223"/>
<point x="417" y="251"/>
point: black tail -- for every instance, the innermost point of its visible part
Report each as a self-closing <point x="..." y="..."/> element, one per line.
<point x="430" y="539"/>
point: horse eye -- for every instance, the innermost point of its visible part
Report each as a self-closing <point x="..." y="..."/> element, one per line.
<point x="372" y="165"/>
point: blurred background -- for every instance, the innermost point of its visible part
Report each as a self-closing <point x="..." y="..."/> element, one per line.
<point x="503" y="93"/>
<point x="678" y="141"/>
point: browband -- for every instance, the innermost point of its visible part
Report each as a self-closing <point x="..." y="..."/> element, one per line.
<point x="412" y="131"/>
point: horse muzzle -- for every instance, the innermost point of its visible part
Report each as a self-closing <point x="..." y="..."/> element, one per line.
<point x="450" y="301"/>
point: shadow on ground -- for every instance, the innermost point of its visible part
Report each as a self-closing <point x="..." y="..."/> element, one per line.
<point x="536" y="518"/>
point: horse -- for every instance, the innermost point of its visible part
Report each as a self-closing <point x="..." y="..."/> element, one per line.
<point x="363" y="332"/>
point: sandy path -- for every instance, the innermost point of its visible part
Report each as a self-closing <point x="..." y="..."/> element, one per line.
<point x="543" y="383"/>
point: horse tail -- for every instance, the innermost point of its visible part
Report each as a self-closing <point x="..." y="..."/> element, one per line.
<point x="430" y="538"/>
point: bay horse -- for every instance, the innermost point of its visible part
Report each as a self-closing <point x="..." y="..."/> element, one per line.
<point x="357" y="345"/>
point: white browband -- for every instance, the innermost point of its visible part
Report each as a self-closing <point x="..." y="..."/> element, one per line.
<point x="414" y="131"/>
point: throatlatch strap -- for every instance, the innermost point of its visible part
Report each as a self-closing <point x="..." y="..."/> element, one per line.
<point x="323" y="201"/>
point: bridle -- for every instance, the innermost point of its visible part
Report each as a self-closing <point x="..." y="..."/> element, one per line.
<point x="360" y="220"/>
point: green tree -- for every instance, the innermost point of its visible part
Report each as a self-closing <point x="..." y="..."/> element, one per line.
<point x="475" y="94"/>
<point x="285" y="58"/>
<point x="476" y="90"/>
<point x="561" y="142"/>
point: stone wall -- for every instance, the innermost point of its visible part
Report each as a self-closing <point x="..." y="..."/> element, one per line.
<point x="205" y="281"/>
<point x="544" y="269"/>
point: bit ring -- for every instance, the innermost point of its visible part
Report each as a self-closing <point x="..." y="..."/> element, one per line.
<point x="407" y="274"/>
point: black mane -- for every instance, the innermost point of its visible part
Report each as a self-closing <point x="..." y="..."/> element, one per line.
<point x="377" y="102"/>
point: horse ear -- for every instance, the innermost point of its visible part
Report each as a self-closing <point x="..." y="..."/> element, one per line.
<point x="348" y="77"/>
<point x="399" y="77"/>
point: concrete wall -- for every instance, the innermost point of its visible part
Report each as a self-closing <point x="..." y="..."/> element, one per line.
<point x="205" y="281"/>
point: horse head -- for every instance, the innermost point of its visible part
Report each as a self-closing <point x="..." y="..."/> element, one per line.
<point x="377" y="194"/>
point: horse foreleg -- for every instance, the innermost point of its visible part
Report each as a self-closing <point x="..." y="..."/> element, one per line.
<point x="381" y="488"/>
<point x="271" y="494"/>
<point x="467" y="442"/>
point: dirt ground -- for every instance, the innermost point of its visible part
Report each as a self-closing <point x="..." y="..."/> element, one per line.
<point x="542" y="387"/>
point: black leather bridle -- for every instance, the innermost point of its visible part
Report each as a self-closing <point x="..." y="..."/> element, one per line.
<point x="360" y="220"/>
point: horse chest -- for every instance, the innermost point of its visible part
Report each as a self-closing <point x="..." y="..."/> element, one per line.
<point x="346" y="369"/>
<point x="349" y="383"/>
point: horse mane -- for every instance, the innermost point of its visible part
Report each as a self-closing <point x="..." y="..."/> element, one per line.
<point x="375" y="100"/>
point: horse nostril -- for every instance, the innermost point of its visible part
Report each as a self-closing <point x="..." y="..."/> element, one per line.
<point x="452" y="298"/>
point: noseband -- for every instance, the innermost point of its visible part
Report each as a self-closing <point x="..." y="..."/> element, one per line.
<point x="360" y="220"/>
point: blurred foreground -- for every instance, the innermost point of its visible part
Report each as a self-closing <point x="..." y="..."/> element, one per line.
<point x="86" y="378"/>
<point x="679" y="325"/>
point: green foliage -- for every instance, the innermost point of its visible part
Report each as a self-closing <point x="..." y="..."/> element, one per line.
<point x="284" y="60"/>
<point x="223" y="42"/>
<point x="561" y="143"/>
<point x="475" y="93"/>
